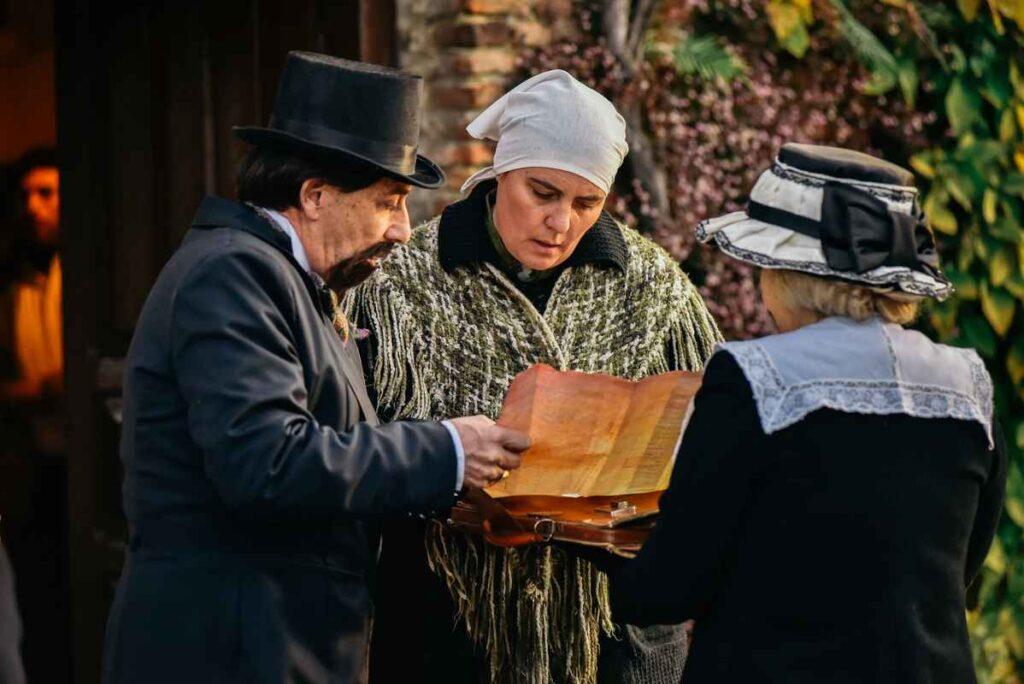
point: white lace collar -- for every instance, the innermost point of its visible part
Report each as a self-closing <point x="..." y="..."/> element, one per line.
<point x="867" y="368"/>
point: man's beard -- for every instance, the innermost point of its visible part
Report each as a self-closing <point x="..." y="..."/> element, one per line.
<point x="354" y="270"/>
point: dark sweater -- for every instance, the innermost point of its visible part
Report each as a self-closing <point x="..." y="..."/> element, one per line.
<point x="836" y="550"/>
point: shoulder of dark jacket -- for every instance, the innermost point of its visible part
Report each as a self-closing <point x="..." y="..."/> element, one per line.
<point x="723" y="373"/>
<point x="217" y="212"/>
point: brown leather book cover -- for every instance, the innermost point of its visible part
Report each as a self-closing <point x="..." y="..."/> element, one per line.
<point x="602" y="452"/>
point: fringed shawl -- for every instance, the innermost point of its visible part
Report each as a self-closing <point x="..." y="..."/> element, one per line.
<point x="445" y="344"/>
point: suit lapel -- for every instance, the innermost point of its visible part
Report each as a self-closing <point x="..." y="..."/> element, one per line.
<point x="352" y="367"/>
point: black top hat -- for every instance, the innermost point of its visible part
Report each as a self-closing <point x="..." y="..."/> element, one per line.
<point x="330" y="107"/>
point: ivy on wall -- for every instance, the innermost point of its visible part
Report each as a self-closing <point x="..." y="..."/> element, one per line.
<point x="967" y="63"/>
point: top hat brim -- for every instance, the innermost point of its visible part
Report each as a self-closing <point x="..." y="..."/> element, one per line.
<point x="427" y="174"/>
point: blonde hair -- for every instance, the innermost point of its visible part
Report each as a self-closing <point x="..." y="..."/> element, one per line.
<point x="839" y="298"/>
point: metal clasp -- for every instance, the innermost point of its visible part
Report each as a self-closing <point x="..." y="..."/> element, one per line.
<point x="618" y="509"/>
<point x="544" y="528"/>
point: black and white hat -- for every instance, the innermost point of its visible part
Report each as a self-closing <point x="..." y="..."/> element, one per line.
<point x="835" y="213"/>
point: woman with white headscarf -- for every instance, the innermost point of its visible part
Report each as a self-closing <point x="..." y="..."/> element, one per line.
<point x="527" y="269"/>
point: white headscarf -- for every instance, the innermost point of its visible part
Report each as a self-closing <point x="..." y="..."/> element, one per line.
<point x="553" y="121"/>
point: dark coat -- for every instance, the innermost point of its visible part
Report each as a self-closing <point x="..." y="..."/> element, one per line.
<point x="835" y="550"/>
<point x="255" y="471"/>
<point x="11" y="669"/>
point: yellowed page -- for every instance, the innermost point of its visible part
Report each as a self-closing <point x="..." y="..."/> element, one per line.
<point x="595" y="435"/>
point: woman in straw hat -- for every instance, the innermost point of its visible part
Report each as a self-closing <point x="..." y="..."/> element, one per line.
<point x="528" y="268"/>
<point x="856" y="491"/>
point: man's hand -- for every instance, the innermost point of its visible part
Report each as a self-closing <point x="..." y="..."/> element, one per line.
<point x="491" y="450"/>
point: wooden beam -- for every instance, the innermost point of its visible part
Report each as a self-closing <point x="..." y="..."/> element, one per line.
<point x="377" y="42"/>
<point x="80" y="90"/>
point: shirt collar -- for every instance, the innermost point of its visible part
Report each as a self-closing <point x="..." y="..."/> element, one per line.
<point x="282" y="222"/>
<point x="463" y="239"/>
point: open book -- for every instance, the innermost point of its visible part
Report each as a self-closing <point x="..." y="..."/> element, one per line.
<point x="602" y="452"/>
<point x="595" y="435"/>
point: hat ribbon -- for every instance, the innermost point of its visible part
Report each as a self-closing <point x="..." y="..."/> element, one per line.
<point x="394" y="156"/>
<point x="858" y="231"/>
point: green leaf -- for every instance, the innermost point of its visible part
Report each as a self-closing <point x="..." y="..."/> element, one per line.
<point x="1013" y="183"/>
<point x="937" y="16"/>
<point x="996" y="559"/>
<point x="981" y="247"/>
<point x="1015" y="285"/>
<point x="1019" y="437"/>
<point x="922" y="163"/>
<point x="988" y="205"/>
<point x="939" y="216"/>
<point x="879" y="83"/>
<point x="705" y="57"/>
<point x="1013" y="9"/>
<point x="964" y="258"/>
<point x="1015" y="509"/>
<point x="1001" y="266"/>
<point x="977" y="155"/>
<point x="787" y="23"/>
<point x="959" y="188"/>
<point x="1007" y="127"/>
<point x="908" y="79"/>
<point x="966" y="287"/>
<point x="962" y="106"/>
<point x="871" y="52"/>
<point x="969" y="8"/>
<point x="797" y="42"/>
<point x="958" y="61"/>
<point x="1006" y="229"/>
<point x="806" y="10"/>
<point x="979" y="335"/>
<point x="1015" y="363"/>
<point x="943" y="317"/>
<point x="999" y="306"/>
<point x="997" y="89"/>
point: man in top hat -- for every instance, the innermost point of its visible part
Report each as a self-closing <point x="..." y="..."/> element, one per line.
<point x="255" y="467"/>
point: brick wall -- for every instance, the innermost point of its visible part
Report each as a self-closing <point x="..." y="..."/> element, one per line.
<point x="467" y="51"/>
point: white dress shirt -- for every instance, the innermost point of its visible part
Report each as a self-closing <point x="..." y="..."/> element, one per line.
<point x="299" y="252"/>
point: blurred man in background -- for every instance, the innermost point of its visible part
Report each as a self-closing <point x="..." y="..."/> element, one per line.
<point x="33" y="466"/>
<point x="30" y="306"/>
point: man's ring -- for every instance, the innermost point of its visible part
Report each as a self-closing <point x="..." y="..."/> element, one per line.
<point x="504" y="474"/>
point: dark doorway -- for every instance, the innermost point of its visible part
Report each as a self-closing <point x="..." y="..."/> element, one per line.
<point x="147" y="95"/>
<point x="33" y="464"/>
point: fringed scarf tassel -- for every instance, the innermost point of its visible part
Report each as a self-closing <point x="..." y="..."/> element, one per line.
<point x="396" y="377"/>
<point x="537" y="611"/>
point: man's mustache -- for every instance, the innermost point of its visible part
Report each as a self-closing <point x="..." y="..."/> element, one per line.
<point x="357" y="268"/>
<point x="381" y="251"/>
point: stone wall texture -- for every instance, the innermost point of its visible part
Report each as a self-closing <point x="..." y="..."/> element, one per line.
<point x="468" y="51"/>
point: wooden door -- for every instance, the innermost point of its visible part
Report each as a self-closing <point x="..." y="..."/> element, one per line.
<point x="146" y="97"/>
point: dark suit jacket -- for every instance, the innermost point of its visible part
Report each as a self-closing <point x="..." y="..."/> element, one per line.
<point x="255" y="471"/>
<point x="835" y="550"/>
<point x="11" y="669"/>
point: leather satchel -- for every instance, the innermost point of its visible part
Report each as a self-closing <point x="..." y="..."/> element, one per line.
<point x="601" y="454"/>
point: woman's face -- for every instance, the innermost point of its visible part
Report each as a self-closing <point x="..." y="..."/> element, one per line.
<point x="541" y="214"/>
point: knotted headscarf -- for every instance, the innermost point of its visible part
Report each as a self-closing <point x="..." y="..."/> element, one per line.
<point x="553" y="121"/>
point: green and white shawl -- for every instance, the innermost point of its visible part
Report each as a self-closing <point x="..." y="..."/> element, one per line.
<point x="446" y="344"/>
